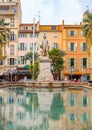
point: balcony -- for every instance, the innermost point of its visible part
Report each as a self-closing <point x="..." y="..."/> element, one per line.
<point x="8" y="12"/>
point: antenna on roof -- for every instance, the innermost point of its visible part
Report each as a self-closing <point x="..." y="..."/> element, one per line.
<point x="38" y="16"/>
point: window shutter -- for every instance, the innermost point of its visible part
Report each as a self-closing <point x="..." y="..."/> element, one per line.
<point x="8" y="60"/>
<point x="75" y="33"/>
<point x="31" y="46"/>
<point x="75" y="62"/>
<point x="81" y="46"/>
<point x="81" y="62"/>
<point x="69" y="63"/>
<point x="37" y="46"/>
<point x="14" y="61"/>
<point x="19" y="59"/>
<point x="69" y="33"/>
<point x="75" y="47"/>
<point x="88" y="62"/>
<point x="69" y="47"/>
<point x="25" y="46"/>
<point x="18" y="46"/>
<point x="31" y="35"/>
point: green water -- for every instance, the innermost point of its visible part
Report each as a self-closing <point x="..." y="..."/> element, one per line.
<point x="26" y="109"/>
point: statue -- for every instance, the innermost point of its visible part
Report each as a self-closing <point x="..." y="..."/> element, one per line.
<point x="44" y="46"/>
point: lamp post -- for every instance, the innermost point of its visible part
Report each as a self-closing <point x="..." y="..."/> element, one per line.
<point x="33" y="44"/>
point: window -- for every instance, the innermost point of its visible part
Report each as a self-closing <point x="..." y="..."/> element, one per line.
<point x="55" y="35"/>
<point x="4" y="8"/>
<point x="12" y="22"/>
<point x="81" y="33"/>
<point x="72" y="62"/>
<point x="55" y="45"/>
<point x="12" y="36"/>
<point x="84" y="47"/>
<point x="72" y="116"/>
<point x="53" y="27"/>
<point x="84" y="62"/>
<point x="84" y="116"/>
<point x="22" y="35"/>
<point x="72" y="33"/>
<point x="11" y="61"/>
<point x="72" y="46"/>
<point x="22" y="46"/>
<point x="25" y="28"/>
<point x="11" y="49"/>
<point x="21" y="60"/>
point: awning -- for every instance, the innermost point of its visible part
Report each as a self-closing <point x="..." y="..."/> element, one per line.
<point x="26" y="67"/>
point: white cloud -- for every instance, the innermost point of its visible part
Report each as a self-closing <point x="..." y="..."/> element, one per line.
<point x="54" y="11"/>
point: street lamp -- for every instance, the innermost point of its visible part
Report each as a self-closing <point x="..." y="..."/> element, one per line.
<point x="33" y="44"/>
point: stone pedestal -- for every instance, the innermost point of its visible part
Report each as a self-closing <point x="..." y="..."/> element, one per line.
<point x="45" y="73"/>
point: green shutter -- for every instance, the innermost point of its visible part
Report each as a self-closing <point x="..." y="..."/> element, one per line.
<point x="69" y="63"/>
<point x="88" y="62"/>
<point x="31" y="34"/>
<point x="75" y="46"/>
<point x="25" y="46"/>
<point x="75" y="62"/>
<point x="69" y="46"/>
<point x="19" y="59"/>
<point x="75" y="33"/>
<point x="81" y="62"/>
<point x="69" y="33"/>
<point x="31" y="46"/>
<point x="81" y="46"/>
<point x="18" y="46"/>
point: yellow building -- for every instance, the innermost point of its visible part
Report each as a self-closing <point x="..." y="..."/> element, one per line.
<point x="11" y="12"/>
<point x="68" y="38"/>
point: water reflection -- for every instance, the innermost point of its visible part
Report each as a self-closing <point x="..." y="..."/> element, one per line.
<point x="22" y="109"/>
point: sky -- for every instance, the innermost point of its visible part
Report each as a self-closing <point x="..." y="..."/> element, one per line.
<point x="54" y="11"/>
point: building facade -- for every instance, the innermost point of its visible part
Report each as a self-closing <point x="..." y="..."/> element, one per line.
<point x="68" y="38"/>
<point x="11" y="12"/>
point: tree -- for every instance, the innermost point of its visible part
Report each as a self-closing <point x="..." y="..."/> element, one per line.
<point x="29" y="56"/>
<point x="4" y="37"/>
<point x="87" y="31"/>
<point x="57" y="60"/>
<point x="34" y="68"/>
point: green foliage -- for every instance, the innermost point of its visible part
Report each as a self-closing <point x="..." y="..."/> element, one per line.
<point x="87" y="30"/>
<point x="36" y="69"/>
<point x="29" y="56"/>
<point x="57" y="60"/>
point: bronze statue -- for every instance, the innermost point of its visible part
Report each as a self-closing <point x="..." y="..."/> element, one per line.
<point x="45" y="46"/>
